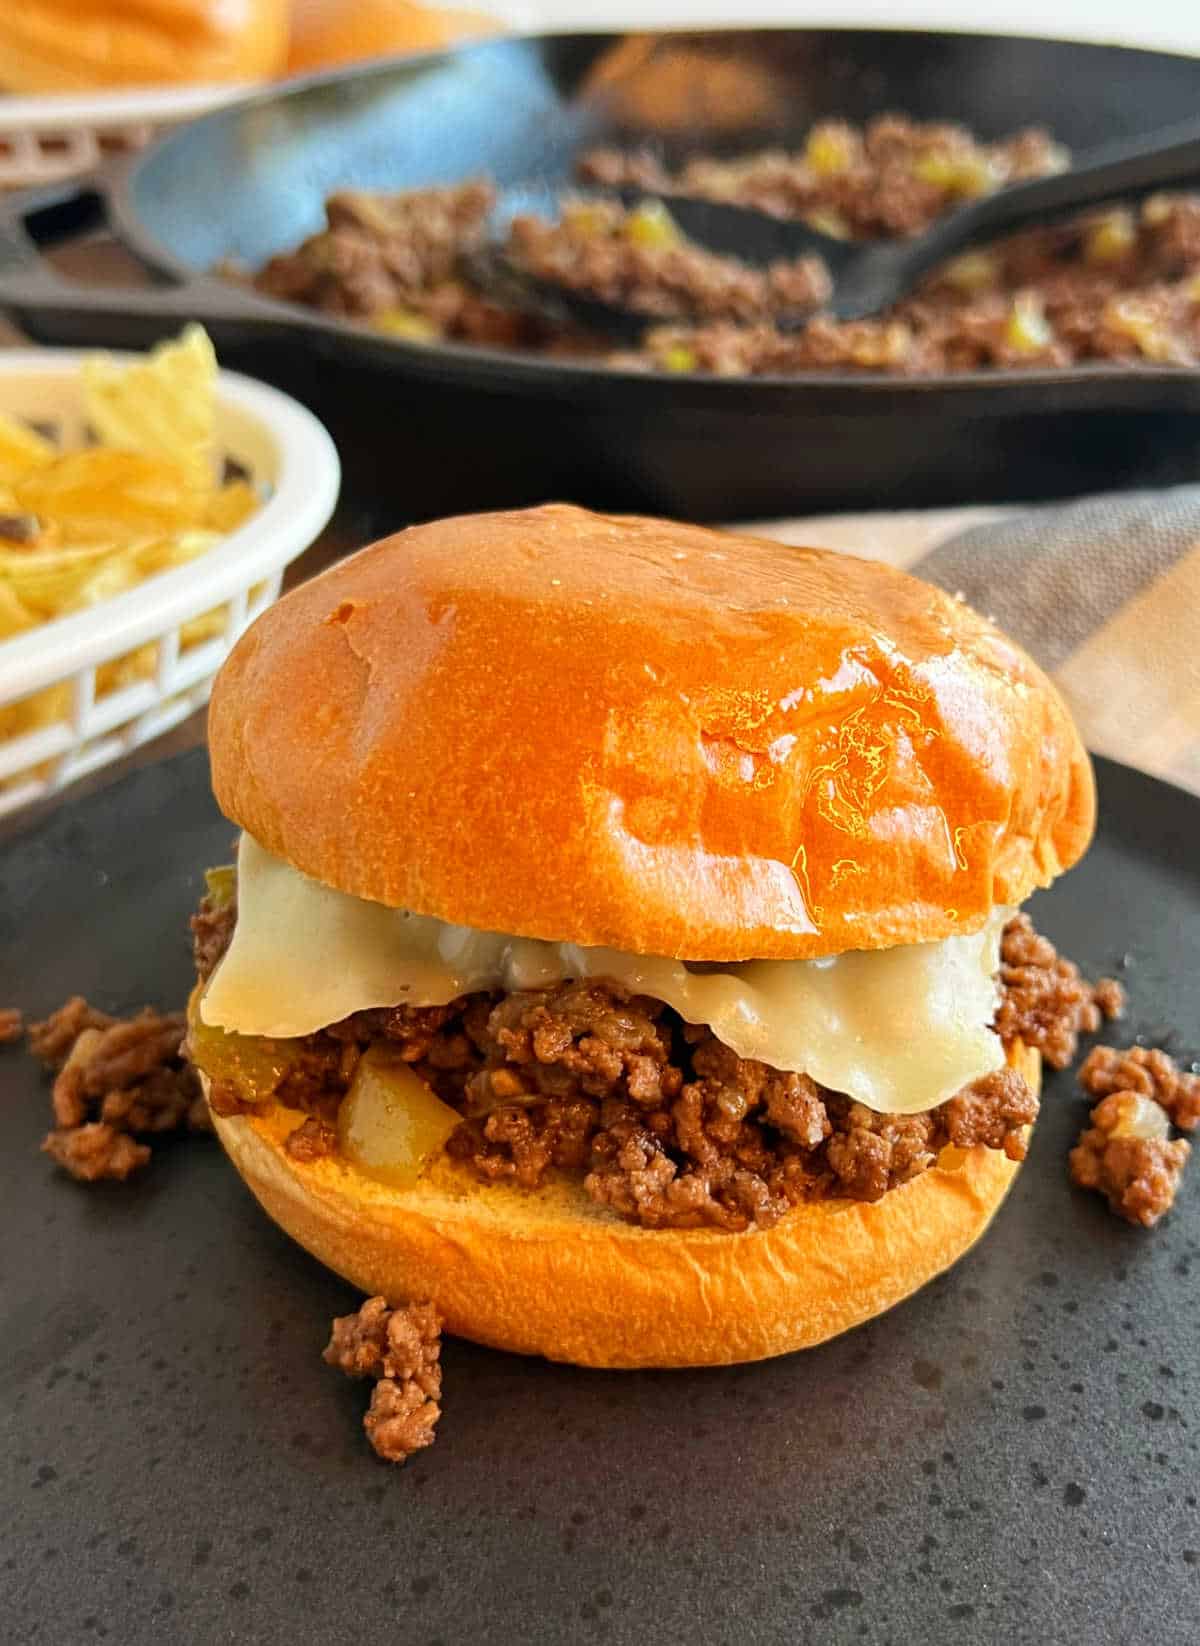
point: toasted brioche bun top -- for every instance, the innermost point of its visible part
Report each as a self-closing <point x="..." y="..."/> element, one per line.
<point x="664" y="739"/>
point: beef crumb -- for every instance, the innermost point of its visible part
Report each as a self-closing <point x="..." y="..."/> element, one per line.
<point x="1127" y="1156"/>
<point x="995" y="1111"/>
<point x="95" y="1150"/>
<point x="1044" y="1002"/>
<point x="119" y="1080"/>
<point x="313" y="1139"/>
<point x="52" y="1039"/>
<point x="1147" y="1070"/>
<point x="212" y="930"/>
<point x="12" y="1025"/>
<point x="400" y="1348"/>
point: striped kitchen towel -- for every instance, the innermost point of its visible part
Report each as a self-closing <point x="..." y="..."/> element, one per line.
<point x="1103" y="592"/>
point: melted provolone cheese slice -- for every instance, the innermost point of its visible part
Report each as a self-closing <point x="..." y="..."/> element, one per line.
<point x="898" y="1029"/>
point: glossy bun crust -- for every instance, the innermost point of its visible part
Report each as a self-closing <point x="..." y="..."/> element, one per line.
<point x="85" y="45"/>
<point x="548" y="1272"/>
<point x="653" y="736"/>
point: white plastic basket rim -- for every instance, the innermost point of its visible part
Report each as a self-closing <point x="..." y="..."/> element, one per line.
<point x="304" y="492"/>
<point x="106" y="110"/>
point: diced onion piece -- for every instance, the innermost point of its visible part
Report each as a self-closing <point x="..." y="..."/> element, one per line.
<point x="829" y="150"/>
<point x="1028" y="330"/>
<point x="1110" y="239"/>
<point x="679" y="358"/>
<point x="881" y="345"/>
<point x="1142" y="1118"/>
<point x="827" y="220"/>
<point x="221" y="885"/>
<point x="973" y="271"/>
<point x="587" y="219"/>
<point x="405" y="323"/>
<point x="256" y="1066"/>
<point x="390" y="1122"/>
<point x="651" y="225"/>
<point x="1145" y="328"/>
<point x="969" y="173"/>
<point x="1157" y="209"/>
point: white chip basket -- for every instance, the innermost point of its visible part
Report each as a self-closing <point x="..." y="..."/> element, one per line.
<point x="46" y="139"/>
<point x="285" y="452"/>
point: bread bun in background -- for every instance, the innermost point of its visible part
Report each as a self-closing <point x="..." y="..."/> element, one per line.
<point x="328" y="32"/>
<point x="85" y="45"/>
<point x="548" y="1272"/>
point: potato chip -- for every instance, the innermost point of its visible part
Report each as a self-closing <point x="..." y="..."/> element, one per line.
<point x="164" y="554"/>
<point x="114" y="574"/>
<point x="15" y="615"/>
<point x="21" y="449"/>
<point x="49" y="583"/>
<point x="128" y="670"/>
<point x="233" y="504"/>
<point x="32" y="713"/>
<point x="162" y="406"/>
<point x="100" y="494"/>
<point x="205" y="627"/>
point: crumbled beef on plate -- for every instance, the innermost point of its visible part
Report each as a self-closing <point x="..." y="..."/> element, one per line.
<point x="400" y="1349"/>
<point x="1127" y="1155"/>
<point x="1147" y="1070"/>
<point x="118" y="1082"/>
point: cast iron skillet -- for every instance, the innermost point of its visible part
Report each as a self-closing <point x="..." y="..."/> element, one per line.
<point x="470" y="427"/>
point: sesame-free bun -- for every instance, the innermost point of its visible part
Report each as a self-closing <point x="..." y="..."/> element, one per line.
<point x="86" y="45"/>
<point x="548" y="1272"/>
<point x="651" y="736"/>
<point x="328" y="32"/>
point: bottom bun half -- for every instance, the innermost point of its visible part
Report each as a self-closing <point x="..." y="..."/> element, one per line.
<point x="548" y="1272"/>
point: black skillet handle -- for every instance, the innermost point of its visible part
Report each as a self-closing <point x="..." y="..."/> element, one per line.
<point x="1118" y="170"/>
<point x="55" y="309"/>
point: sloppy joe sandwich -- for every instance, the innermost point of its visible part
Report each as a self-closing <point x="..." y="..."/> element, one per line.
<point x="625" y="949"/>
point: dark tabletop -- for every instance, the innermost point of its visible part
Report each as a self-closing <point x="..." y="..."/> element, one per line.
<point x="1009" y="1457"/>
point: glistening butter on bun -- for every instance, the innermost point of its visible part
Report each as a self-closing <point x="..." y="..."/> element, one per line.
<point x="624" y="950"/>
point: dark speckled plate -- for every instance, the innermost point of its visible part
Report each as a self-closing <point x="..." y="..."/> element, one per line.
<point x="1009" y="1457"/>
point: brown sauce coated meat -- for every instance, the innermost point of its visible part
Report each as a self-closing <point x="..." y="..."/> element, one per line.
<point x="119" y="1081"/>
<point x="1138" y="1175"/>
<point x="52" y="1040"/>
<point x="95" y="1150"/>
<point x="1118" y="284"/>
<point x="595" y="251"/>
<point x="313" y="1139"/>
<point x="400" y="1349"/>
<point x="893" y="177"/>
<point x="212" y="931"/>
<point x="12" y="1025"/>
<point x="1148" y="1071"/>
<point x="1044" y="1001"/>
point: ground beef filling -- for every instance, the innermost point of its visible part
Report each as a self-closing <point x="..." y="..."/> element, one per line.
<point x="670" y="1128"/>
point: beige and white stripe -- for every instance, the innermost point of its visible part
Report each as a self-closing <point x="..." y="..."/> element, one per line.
<point x="1104" y="592"/>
